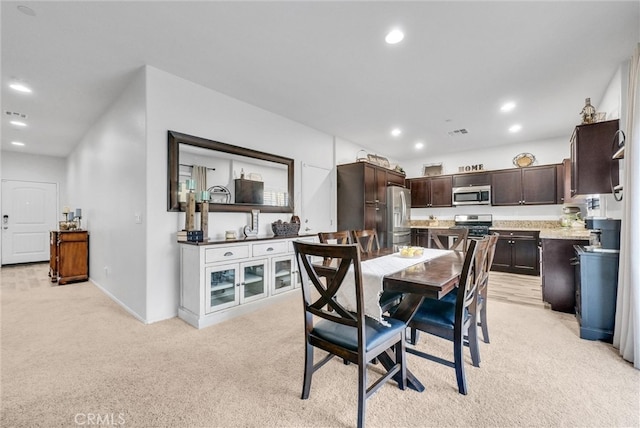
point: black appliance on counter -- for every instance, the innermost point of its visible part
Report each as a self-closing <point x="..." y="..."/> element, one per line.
<point x="596" y="280"/>
<point x="477" y="224"/>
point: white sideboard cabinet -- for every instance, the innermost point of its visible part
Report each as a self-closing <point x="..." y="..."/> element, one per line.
<point x="220" y="280"/>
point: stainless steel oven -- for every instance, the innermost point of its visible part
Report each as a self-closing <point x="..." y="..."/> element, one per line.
<point x="473" y="195"/>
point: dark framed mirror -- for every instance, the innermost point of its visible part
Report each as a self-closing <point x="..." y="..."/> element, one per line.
<point x="236" y="178"/>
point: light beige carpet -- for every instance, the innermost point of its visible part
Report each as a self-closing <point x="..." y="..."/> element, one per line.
<point x="71" y="356"/>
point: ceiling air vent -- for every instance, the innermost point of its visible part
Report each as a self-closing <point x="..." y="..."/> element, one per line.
<point x="16" y="114"/>
<point x="458" y="132"/>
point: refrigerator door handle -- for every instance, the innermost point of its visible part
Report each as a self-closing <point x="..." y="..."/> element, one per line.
<point x="404" y="207"/>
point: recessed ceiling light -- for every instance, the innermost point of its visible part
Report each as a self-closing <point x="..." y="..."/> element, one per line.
<point x="17" y="143"/>
<point x="419" y="145"/>
<point x="20" y="87"/>
<point x="507" y="107"/>
<point x="515" y="128"/>
<point x="394" y="36"/>
<point x="396" y="132"/>
<point x="18" y="123"/>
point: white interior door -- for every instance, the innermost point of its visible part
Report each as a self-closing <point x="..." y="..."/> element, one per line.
<point x="28" y="214"/>
<point x="317" y="199"/>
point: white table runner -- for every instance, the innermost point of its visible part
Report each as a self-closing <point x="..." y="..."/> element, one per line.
<point x="373" y="273"/>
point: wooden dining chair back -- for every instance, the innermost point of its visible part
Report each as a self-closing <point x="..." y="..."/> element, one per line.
<point x="341" y="237"/>
<point x="367" y="239"/>
<point x="483" y="286"/>
<point x="458" y="243"/>
<point x="455" y="320"/>
<point x="344" y="332"/>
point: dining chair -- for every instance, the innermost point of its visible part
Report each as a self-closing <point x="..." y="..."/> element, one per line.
<point x="347" y="335"/>
<point x="458" y="243"/>
<point x="340" y="237"/>
<point x="482" y="287"/>
<point x="367" y="240"/>
<point x="452" y="320"/>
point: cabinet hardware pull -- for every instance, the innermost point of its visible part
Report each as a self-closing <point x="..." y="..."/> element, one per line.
<point x="228" y="253"/>
<point x="270" y="249"/>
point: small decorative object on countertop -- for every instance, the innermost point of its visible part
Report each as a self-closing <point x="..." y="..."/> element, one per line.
<point x="252" y="231"/>
<point x="281" y="228"/>
<point x="588" y="112"/>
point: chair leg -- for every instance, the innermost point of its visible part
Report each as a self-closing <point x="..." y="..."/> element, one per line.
<point x="458" y="357"/>
<point x="413" y="336"/>
<point x="483" y="322"/>
<point x="362" y="391"/>
<point x="308" y="371"/>
<point x="401" y="358"/>
<point x="473" y="343"/>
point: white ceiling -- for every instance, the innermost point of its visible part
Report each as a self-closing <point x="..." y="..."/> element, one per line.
<point x="324" y="64"/>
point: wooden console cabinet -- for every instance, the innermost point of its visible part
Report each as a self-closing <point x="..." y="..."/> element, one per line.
<point x="69" y="256"/>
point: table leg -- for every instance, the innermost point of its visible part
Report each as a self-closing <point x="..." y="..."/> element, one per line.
<point x="387" y="359"/>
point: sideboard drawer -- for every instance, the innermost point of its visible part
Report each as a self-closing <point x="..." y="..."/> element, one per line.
<point x="269" y="248"/>
<point x="222" y="254"/>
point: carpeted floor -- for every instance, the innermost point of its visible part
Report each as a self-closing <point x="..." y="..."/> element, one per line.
<point x="72" y="357"/>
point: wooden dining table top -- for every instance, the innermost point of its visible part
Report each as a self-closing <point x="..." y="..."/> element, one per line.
<point x="432" y="278"/>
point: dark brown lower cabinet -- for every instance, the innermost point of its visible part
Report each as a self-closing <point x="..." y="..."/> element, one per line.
<point x="558" y="276"/>
<point x="69" y="256"/>
<point x="517" y="252"/>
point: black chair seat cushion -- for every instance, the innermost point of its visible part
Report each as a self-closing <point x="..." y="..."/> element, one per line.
<point x="388" y="297"/>
<point x="437" y="312"/>
<point x="347" y="336"/>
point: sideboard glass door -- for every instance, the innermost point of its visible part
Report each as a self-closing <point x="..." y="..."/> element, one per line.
<point x="223" y="287"/>
<point x="283" y="274"/>
<point x="254" y="280"/>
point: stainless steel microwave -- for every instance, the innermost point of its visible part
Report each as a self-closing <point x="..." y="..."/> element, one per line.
<point x="474" y="195"/>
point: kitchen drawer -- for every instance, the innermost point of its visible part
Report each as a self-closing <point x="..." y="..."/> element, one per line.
<point x="223" y="254"/>
<point x="269" y="248"/>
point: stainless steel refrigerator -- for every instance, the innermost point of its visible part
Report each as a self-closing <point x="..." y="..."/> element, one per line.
<point x="398" y="216"/>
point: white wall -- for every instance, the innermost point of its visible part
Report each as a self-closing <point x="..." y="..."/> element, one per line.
<point x="45" y="169"/>
<point x="107" y="178"/>
<point x="180" y="105"/>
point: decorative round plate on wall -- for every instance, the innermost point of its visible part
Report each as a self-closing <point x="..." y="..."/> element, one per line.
<point x="524" y="159"/>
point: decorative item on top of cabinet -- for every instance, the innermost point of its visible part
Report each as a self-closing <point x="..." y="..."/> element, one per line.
<point x="593" y="171"/>
<point x="69" y="256"/>
<point x="588" y="112"/>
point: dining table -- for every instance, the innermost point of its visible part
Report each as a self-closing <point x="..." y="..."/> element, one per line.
<point x="433" y="278"/>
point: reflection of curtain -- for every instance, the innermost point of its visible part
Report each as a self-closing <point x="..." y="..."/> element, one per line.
<point x="199" y="173"/>
<point x="626" y="336"/>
